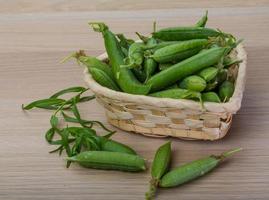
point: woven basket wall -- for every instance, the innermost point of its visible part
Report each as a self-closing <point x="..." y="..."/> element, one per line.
<point x="160" y="117"/>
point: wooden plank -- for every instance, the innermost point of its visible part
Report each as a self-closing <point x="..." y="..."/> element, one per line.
<point x="28" y="6"/>
<point x="30" y="50"/>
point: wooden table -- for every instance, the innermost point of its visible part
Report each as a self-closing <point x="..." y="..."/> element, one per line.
<point x="35" y="36"/>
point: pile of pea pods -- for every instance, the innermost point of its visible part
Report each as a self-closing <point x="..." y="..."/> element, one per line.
<point x="191" y="62"/>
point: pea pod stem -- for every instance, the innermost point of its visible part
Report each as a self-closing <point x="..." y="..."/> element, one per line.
<point x="229" y="153"/>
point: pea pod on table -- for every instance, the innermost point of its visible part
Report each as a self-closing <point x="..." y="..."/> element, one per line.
<point x="124" y="77"/>
<point x="159" y="167"/>
<point x="114" y="146"/>
<point x="193" y="170"/>
<point x="109" y="161"/>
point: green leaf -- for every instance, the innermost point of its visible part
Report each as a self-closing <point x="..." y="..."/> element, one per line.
<point x="44" y="103"/>
<point x="86" y="98"/>
<point x="49" y="135"/>
<point x="68" y="90"/>
<point x="75" y="111"/>
<point x="54" y="121"/>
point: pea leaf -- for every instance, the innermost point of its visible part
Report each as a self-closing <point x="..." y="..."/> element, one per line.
<point x="68" y="90"/>
<point x="49" y="135"/>
<point x="86" y="98"/>
<point x="43" y="103"/>
<point x="54" y="121"/>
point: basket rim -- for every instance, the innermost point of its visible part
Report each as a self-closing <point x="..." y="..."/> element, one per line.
<point x="232" y="106"/>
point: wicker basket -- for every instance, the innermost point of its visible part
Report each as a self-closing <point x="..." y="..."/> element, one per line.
<point x="161" y="117"/>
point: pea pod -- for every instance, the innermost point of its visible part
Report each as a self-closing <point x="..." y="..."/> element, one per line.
<point x="150" y="64"/>
<point x="185" y="68"/>
<point x="177" y="93"/>
<point x="194" y="83"/>
<point x="226" y="91"/>
<point x="210" y="97"/>
<point x="179" y="51"/>
<point x="163" y="44"/>
<point x="159" y="166"/>
<point x="139" y="74"/>
<point x="209" y="73"/>
<point x="202" y="21"/>
<point x="90" y="62"/>
<point x="103" y="79"/>
<point x="109" y="160"/>
<point x="193" y="170"/>
<point x="185" y="33"/>
<point x="124" y="77"/>
<point x="114" y="146"/>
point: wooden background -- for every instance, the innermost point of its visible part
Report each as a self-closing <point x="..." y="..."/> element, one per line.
<point x="35" y="35"/>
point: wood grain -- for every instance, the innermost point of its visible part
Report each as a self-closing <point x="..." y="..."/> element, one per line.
<point x="30" y="50"/>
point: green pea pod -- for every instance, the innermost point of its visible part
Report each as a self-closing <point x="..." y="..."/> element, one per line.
<point x="103" y="79"/>
<point x="164" y="44"/>
<point x="90" y="62"/>
<point x="209" y="73"/>
<point x="114" y="146"/>
<point x="159" y="166"/>
<point x="179" y="51"/>
<point x="124" y="77"/>
<point x="210" y="97"/>
<point x="109" y="161"/>
<point x="177" y="93"/>
<point x="163" y="66"/>
<point x="150" y="64"/>
<point x="226" y="91"/>
<point x="185" y="68"/>
<point x="185" y="33"/>
<point x="161" y="161"/>
<point x="193" y="170"/>
<point x="202" y="21"/>
<point x="139" y="74"/>
<point x="194" y="83"/>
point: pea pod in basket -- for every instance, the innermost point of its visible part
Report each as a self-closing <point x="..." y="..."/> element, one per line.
<point x="124" y="77"/>
<point x="179" y="51"/>
<point x="185" y="33"/>
<point x="185" y="68"/>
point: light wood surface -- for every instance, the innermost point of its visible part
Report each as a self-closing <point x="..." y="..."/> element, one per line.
<point x="35" y="38"/>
